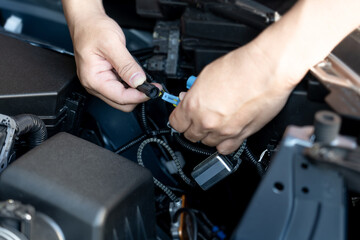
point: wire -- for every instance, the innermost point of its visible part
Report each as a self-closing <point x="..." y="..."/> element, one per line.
<point x="170" y="151"/>
<point x="193" y="218"/>
<point x="254" y="161"/>
<point x="159" y="184"/>
<point x="143" y="118"/>
<point x="238" y="154"/>
<point x="262" y="155"/>
<point x="191" y="147"/>
<point x="140" y="138"/>
<point x="130" y="144"/>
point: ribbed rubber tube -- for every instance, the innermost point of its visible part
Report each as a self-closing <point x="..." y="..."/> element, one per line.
<point x="33" y="126"/>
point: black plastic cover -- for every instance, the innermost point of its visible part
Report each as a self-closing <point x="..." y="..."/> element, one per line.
<point x="33" y="80"/>
<point x="92" y="193"/>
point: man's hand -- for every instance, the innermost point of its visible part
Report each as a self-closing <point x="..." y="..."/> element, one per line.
<point x="232" y="98"/>
<point x="238" y="94"/>
<point x="100" y="47"/>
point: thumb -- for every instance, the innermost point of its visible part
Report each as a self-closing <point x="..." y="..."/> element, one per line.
<point x="126" y="66"/>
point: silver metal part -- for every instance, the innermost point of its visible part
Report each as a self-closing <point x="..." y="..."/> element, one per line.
<point x="174" y="230"/>
<point x="343" y="84"/>
<point x="6" y="234"/>
<point x="212" y="170"/>
<point x="303" y="136"/>
<point x="9" y="140"/>
<point x="24" y="214"/>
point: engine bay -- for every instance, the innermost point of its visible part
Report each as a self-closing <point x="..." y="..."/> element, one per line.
<point x="107" y="174"/>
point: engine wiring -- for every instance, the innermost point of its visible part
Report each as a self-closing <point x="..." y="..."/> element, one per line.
<point x="170" y="151"/>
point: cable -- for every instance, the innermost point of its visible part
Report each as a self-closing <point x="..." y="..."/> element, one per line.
<point x="191" y="147"/>
<point x="170" y="151"/>
<point x="130" y="144"/>
<point x="237" y="155"/>
<point x="254" y="161"/>
<point x="165" y="189"/>
<point x="193" y="218"/>
<point x="140" y="138"/>
<point x="143" y="118"/>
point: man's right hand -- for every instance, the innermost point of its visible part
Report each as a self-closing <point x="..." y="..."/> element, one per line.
<point x="99" y="47"/>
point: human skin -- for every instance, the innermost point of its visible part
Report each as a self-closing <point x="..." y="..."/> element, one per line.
<point x="236" y="95"/>
<point x="99" y="48"/>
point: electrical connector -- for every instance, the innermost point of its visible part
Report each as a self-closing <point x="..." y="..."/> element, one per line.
<point x="212" y="170"/>
<point x="190" y="82"/>
<point x="167" y="97"/>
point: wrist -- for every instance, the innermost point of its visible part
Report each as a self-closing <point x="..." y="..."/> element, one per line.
<point x="78" y="12"/>
<point x="303" y="37"/>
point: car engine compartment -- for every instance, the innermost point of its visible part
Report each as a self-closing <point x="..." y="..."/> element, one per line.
<point x="107" y="174"/>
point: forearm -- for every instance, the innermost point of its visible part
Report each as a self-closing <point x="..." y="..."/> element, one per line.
<point x="75" y="10"/>
<point x="307" y="34"/>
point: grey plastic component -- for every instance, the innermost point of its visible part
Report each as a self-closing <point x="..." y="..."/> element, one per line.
<point x="212" y="170"/>
<point x="90" y="192"/>
<point x="327" y="126"/>
<point x="295" y="200"/>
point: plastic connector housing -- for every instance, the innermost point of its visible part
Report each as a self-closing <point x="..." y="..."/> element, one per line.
<point x="212" y="170"/>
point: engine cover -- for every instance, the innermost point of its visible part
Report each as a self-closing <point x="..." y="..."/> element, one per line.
<point x="89" y="191"/>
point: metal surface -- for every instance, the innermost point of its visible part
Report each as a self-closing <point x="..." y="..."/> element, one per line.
<point x="296" y="200"/>
<point x="5" y="154"/>
<point x="346" y="161"/>
<point x="343" y="84"/>
<point x="23" y="215"/>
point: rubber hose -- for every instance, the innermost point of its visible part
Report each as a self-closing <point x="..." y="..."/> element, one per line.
<point x="33" y="126"/>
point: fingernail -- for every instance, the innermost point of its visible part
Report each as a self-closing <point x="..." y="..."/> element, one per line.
<point x="182" y="95"/>
<point x="137" y="79"/>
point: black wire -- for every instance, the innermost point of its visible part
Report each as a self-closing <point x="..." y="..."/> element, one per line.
<point x="191" y="147"/>
<point x="253" y="160"/>
<point x="143" y="118"/>
<point x="140" y="138"/>
<point x="193" y="218"/>
<point x="130" y="144"/>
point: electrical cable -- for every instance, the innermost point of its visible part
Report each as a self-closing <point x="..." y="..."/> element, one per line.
<point x="143" y="119"/>
<point x="191" y="147"/>
<point x="253" y="160"/>
<point x="159" y="184"/>
<point x="238" y="154"/>
<point x="140" y="138"/>
<point x="193" y="218"/>
<point x="170" y="151"/>
<point x="130" y="144"/>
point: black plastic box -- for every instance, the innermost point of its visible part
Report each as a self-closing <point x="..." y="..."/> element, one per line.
<point x="34" y="80"/>
<point x="92" y="193"/>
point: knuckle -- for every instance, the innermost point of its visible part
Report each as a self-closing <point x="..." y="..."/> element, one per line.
<point x="125" y="69"/>
<point x="209" y="142"/>
<point x="209" y="123"/>
<point x="190" y="137"/>
<point x="228" y="131"/>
